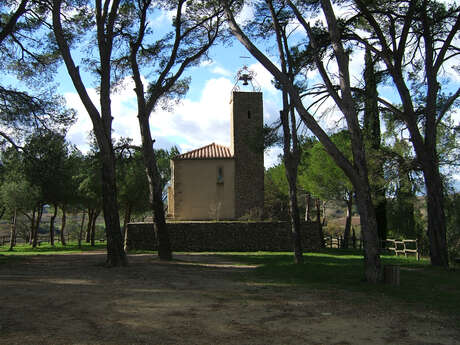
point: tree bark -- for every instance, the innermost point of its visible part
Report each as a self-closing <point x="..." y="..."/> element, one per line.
<point x="291" y="174"/>
<point x="37" y="226"/>
<point x="422" y="121"/>
<point x="372" y="137"/>
<point x="291" y="152"/>
<point x="155" y="197"/>
<point x="63" y="224"/>
<point x="356" y="172"/>
<point x="52" y="219"/>
<point x="372" y="267"/>
<point x="81" y="229"/>
<point x="320" y="224"/>
<point x="125" y="226"/>
<point x="153" y="176"/>
<point x="93" y="228"/>
<point x="106" y="15"/>
<point x="346" y="232"/>
<point x="13" y="231"/>
<point x="91" y="213"/>
<point x="32" y="226"/>
<point x="307" y="207"/>
<point x="436" y="216"/>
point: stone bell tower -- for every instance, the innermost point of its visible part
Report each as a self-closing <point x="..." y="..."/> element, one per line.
<point x="246" y="145"/>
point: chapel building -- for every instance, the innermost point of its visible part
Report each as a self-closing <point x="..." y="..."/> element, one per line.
<point x="217" y="182"/>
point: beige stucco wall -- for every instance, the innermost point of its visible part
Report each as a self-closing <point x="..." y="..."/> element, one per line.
<point x="196" y="193"/>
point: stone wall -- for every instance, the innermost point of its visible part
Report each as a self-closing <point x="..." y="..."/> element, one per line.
<point x="224" y="236"/>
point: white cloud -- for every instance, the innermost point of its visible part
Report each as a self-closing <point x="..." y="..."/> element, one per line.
<point x="246" y="14"/>
<point x="263" y="78"/>
<point x="163" y="19"/>
<point x="221" y="71"/>
<point x="123" y="112"/>
<point x="271" y="156"/>
<point x="190" y="125"/>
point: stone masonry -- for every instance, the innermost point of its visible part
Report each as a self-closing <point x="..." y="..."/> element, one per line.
<point x="246" y="138"/>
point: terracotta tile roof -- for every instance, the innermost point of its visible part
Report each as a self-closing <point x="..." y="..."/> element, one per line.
<point x="211" y="151"/>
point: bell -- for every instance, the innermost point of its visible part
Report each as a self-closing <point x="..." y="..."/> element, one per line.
<point x="245" y="78"/>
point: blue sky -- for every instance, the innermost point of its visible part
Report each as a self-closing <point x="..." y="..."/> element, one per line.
<point x="203" y="116"/>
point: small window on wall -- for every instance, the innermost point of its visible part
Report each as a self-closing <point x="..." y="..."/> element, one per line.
<point x="249" y="114"/>
<point x="220" y="175"/>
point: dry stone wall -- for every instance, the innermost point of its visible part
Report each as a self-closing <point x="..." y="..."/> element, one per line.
<point x="224" y="236"/>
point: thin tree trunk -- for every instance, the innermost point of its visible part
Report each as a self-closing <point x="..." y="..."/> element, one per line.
<point x="63" y="225"/>
<point x="353" y="237"/>
<point x="356" y="172"/>
<point x="291" y="153"/>
<point x="52" y="219"/>
<point x="116" y="256"/>
<point x="93" y="228"/>
<point x="90" y="222"/>
<point x="81" y="229"/>
<point x="13" y="231"/>
<point x="318" y="221"/>
<point x="155" y="198"/>
<point x="102" y="120"/>
<point x="125" y="226"/>
<point x="323" y="206"/>
<point x="372" y="136"/>
<point x="291" y="173"/>
<point x="37" y="226"/>
<point x="32" y="227"/>
<point x="346" y="233"/>
<point x="307" y="207"/>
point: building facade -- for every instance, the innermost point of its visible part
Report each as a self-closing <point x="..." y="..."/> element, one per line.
<point x="216" y="182"/>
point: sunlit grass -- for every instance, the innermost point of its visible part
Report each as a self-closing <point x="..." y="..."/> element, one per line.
<point x="422" y="285"/>
<point x="47" y="249"/>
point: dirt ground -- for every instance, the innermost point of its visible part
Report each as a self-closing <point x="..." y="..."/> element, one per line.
<point x="200" y="299"/>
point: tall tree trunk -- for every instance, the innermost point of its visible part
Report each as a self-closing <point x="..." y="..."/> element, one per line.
<point x="291" y="173"/>
<point x="52" y="219"/>
<point x="37" y="226"/>
<point x="318" y="221"/>
<point x="372" y="266"/>
<point x="81" y="229"/>
<point x="346" y="233"/>
<point x="125" y="225"/>
<point x="155" y="198"/>
<point x="63" y="224"/>
<point x="356" y="172"/>
<point x="372" y="137"/>
<point x="307" y="207"/>
<point x="436" y="216"/>
<point x="106" y="19"/>
<point x="93" y="228"/>
<point x="13" y="231"/>
<point x="291" y="155"/>
<point x="323" y="206"/>
<point x="116" y="256"/>
<point x="91" y="213"/>
<point x="32" y="226"/>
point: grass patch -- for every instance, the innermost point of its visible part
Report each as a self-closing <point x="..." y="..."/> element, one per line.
<point x="422" y="285"/>
<point x="47" y="249"/>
